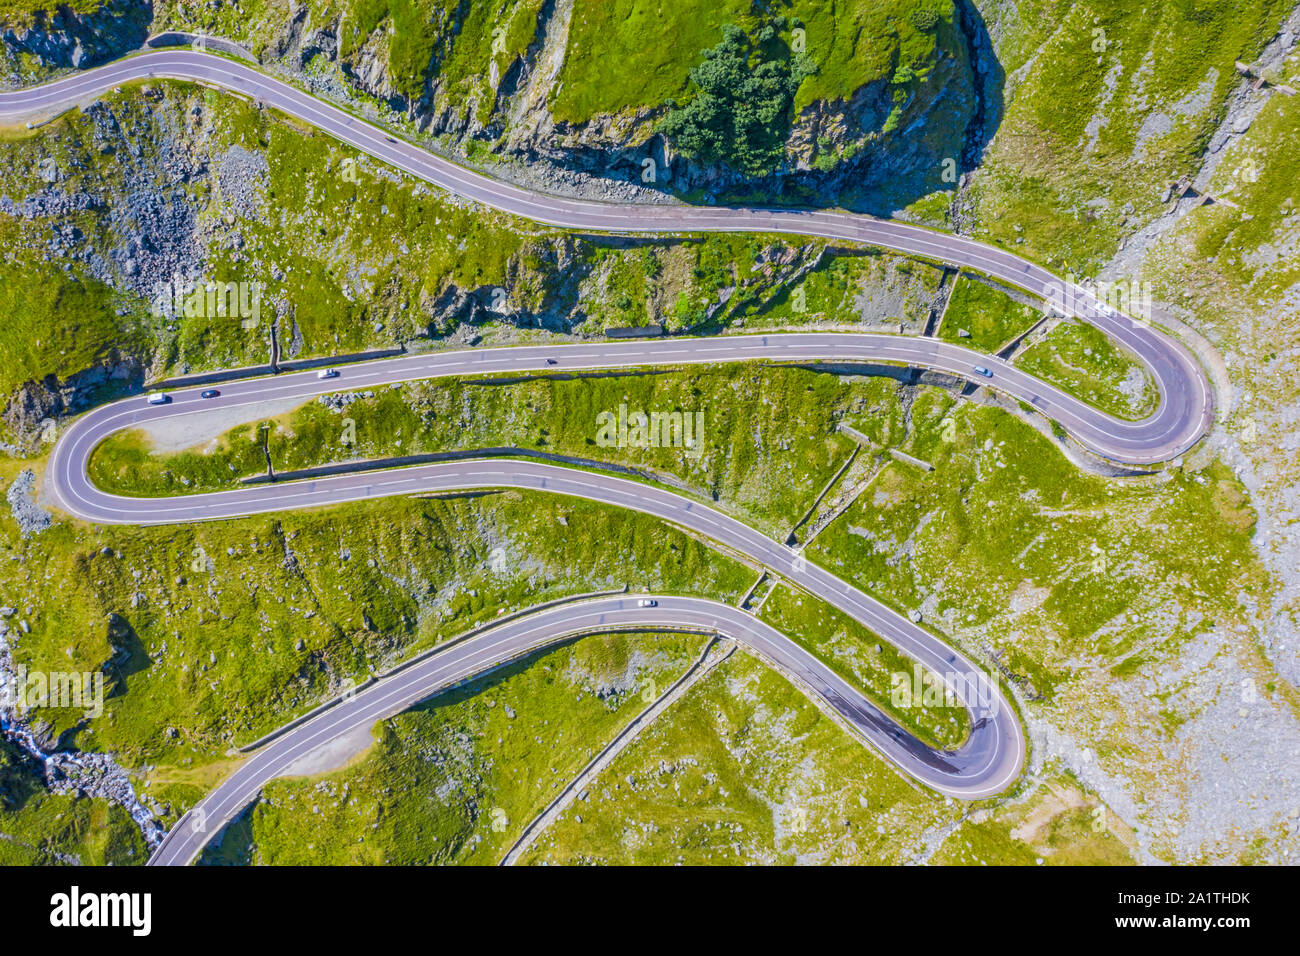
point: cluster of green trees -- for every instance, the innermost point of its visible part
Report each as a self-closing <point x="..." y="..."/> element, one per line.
<point x="924" y="18"/>
<point x="740" y="115"/>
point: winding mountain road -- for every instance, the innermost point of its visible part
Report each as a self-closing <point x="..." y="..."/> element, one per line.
<point x="1186" y="406"/>
<point x="991" y="757"/>
<point x="986" y="764"/>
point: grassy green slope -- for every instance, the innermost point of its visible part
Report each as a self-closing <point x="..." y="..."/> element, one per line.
<point x="1106" y="102"/>
<point x="1084" y="362"/>
<point x="768" y="441"/>
<point x="989" y="316"/>
<point x="1008" y="541"/>
<point x="224" y="631"/>
<point x="456" y="780"/>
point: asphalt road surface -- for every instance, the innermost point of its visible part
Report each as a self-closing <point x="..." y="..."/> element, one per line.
<point x="985" y="765"/>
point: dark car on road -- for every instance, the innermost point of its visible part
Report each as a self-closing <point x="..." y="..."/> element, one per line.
<point x="209" y="393"/>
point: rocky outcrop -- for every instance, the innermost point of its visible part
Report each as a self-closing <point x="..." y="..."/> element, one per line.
<point x="31" y="518"/>
<point x="147" y="235"/>
<point x="32" y="754"/>
<point x="57" y="37"/>
<point x="33" y="409"/>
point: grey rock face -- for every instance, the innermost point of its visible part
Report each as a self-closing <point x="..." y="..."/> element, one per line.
<point x="60" y="38"/>
<point x="37" y="403"/>
<point x="242" y="176"/>
<point x="31" y="517"/>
